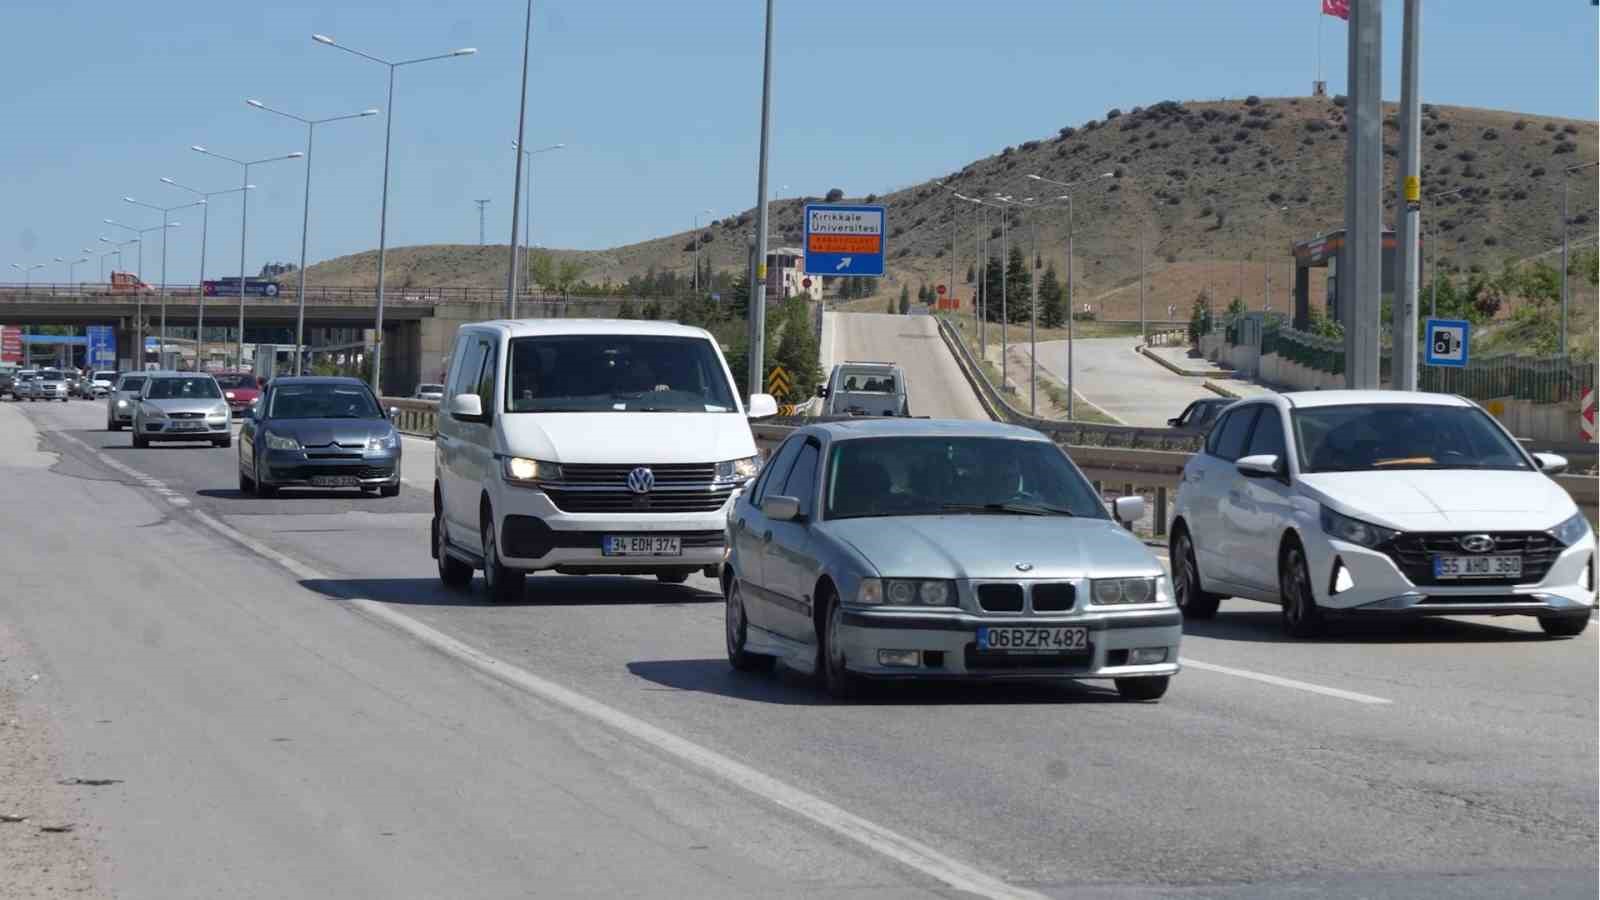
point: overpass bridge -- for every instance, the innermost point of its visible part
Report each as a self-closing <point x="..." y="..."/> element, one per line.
<point x="419" y="326"/>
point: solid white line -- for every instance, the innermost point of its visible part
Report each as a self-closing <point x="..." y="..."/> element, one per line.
<point x="1286" y="682"/>
<point x="904" y="850"/>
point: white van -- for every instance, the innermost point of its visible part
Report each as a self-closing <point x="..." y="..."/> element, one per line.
<point x="587" y="447"/>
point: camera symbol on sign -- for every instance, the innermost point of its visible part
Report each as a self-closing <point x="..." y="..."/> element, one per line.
<point x="1446" y="342"/>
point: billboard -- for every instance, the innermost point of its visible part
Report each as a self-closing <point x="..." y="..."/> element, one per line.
<point x="253" y="287"/>
<point x="102" y="350"/>
<point x="10" y="344"/>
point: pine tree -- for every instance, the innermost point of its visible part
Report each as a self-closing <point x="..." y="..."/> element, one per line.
<point x="1019" y="287"/>
<point x="972" y="273"/>
<point x="992" y="276"/>
<point x="905" y="299"/>
<point x="1052" y="309"/>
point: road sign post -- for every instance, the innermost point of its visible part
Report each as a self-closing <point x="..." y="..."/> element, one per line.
<point x="844" y="240"/>
<point x="1448" y="342"/>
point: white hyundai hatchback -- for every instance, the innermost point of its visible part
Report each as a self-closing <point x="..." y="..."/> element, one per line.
<point x="1382" y="503"/>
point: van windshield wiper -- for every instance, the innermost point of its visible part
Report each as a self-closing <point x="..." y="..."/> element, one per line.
<point x="1021" y="509"/>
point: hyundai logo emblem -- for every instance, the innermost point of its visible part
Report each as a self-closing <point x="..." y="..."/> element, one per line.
<point x="1024" y="567"/>
<point x="641" y="480"/>
<point x="1477" y="543"/>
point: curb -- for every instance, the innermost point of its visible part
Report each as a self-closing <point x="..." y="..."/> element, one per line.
<point x="1219" y="389"/>
<point x="1174" y="368"/>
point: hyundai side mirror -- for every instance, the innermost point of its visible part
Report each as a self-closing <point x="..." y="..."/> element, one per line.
<point x="1263" y="465"/>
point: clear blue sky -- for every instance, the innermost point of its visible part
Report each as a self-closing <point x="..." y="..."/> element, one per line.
<point x="657" y="102"/>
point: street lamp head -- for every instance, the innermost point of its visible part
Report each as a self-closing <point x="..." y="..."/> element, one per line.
<point x="1106" y="175"/>
<point x="370" y="112"/>
<point x="559" y="146"/>
<point x="129" y="200"/>
<point x="1035" y="177"/>
<point x="61" y="259"/>
<point x="108" y="222"/>
<point x="256" y="103"/>
<point x="165" y="180"/>
<point x="173" y="224"/>
<point x="198" y="149"/>
<point x="464" y="51"/>
<point x="323" y="39"/>
<point x="295" y="155"/>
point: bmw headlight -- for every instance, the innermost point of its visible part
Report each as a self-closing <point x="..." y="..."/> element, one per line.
<point x="1124" y="591"/>
<point x="739" y="469"/>
<point x="905" y="592"/>
<point x="522" y="470"/>
<point x="1343" y="528"/>
<point x="280" y="442"/>
<point x="1572" y="530"/>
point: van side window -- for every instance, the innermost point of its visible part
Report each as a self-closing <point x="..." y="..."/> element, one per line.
<point x="486" y="377"/>
<point x="469" y="365"/>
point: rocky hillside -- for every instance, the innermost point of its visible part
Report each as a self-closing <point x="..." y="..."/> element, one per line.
<point x="1219" y="191"/>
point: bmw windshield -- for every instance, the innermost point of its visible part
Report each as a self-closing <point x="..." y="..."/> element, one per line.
<point x="1390" y="436"/>
<point x="616" y="373"/>
<point x="928" y="476"/>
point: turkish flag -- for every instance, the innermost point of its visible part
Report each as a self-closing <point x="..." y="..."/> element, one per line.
<point x="1340" y="8"/>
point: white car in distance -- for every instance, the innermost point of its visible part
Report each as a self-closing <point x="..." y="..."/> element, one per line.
<point x="1382" y="504"/>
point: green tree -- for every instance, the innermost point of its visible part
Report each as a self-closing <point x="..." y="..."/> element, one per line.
<point x="1236" y="308"/>
<point x="972" y="273"/>
<point x="922" y="294"/>
<point x="889" y="307"/>
<point x="651" y="311"/>
<point x="626" y="310"/>
<point x="542" y="271"/>
<point x="1199" y="317"/>
<point x="797" y="350"/>
<point x="1052" y="307"/>
<point x="1019" y="287"/>
<point x="905" y="299"/>
<point x="992" y="276"/>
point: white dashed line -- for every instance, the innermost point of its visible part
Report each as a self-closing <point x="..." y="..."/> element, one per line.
<point x="1291" y="683"/>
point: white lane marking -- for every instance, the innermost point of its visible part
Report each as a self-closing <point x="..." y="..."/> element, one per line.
<point x="1286" y="682"/>
<point x="154" y="484"/>
<point x="904" y="850"/>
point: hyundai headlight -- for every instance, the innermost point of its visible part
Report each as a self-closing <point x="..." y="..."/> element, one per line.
<point x="520" y="469"/>
<point x="1343" y="528"/>
<point x="281" y="442"/>
<point x="739" y="469"/>
<point x="1124" y="591"/>
<point x="1572" y="530"/>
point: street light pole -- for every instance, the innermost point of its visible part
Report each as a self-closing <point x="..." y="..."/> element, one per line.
<point x="1072" y="386"/>
<point x="383" y="215"/>
<point x="522" y="118"/>
<point x="1566" y="175"/>
<point x="526" y="281"/>
<point x="164" y="210"/>
<point x="138" y="289"/>
<point x="758" y="262"/>
<point x="305" y="218"/>
<point x="205" y="228"/>
<point x="244" y="222"/>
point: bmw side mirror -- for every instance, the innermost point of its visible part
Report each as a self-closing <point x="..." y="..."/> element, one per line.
<point x="1174" y="421"/>
<point x="781" y="509"/>
<point x="1128" y="510"/>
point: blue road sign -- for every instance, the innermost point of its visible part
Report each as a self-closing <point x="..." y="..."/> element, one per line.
<point x="844" y="240"/>
<point x="1447" y="343"/>
<point x="102" y="346"/>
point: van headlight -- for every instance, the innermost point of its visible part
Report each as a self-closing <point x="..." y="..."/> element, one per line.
<point x="1119" y="591"/>
<point x="521" y="470"/>
<point x="280" y="442"/>
<point x="1572" y="530"/>
<point x="739" y="469"/>
<point x="1355" y="531"/>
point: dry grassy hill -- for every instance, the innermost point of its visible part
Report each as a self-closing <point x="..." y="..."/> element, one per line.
<point x="1219" y="189"/>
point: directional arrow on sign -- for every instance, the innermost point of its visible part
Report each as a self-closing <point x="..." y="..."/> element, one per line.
<point x="778" y="381"/>
<point x="843" y="264"/>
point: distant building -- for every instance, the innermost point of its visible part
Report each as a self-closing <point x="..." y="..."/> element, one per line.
<point x="786" y="275"/>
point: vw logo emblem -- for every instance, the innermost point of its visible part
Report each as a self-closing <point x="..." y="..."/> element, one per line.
<point x="641" y="480"/>
<point x="1024" y="567"/>
<point x="1477" y="543"/>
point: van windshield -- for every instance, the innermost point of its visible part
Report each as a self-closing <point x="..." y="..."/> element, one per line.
<point x="616" y="373"/>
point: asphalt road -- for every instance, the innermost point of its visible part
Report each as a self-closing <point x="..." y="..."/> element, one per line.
<point x="935" y="386"/>
<point x="296" y="707"/>
<point x="1135" y="390"/>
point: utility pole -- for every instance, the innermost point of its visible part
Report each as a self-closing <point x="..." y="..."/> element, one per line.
<point x="1005" y="262"/>
<point x="1033" y="325"/>
<point x="1566" y="223"/>
<point x="1144" y="328"/>
<point x="758" y="259"/>
<point x="481" y="205"/>
<point x="1360" y="273"/>
<point x="1408" y="199"/>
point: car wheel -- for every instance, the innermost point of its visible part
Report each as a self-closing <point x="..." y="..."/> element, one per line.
<point x="1302" y="618"/>
<point x="140" y="442"/>
<point x="246" y="483"/>
<point x="832" y="667"/>
<point x="505" y="585"/>
<point x="737" y="629"/>
<point x="1564" y="626"/>
<point x="453" y="573"/>
<point x="1193" y="601"/>
<point x="672" y="577"/>
<point x="263" y="490"/>
<point x="1150" y="688"/>
<point x="225" y="442"/>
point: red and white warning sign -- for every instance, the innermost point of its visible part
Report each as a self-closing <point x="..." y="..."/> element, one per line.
<point x="1586" y="415"/>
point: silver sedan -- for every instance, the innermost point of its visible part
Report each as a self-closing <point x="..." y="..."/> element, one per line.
<point x="896" y="549"/>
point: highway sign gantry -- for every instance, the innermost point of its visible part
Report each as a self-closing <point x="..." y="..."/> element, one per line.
<point x="1448" y="342"/>
<point x="844" y="240"/>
